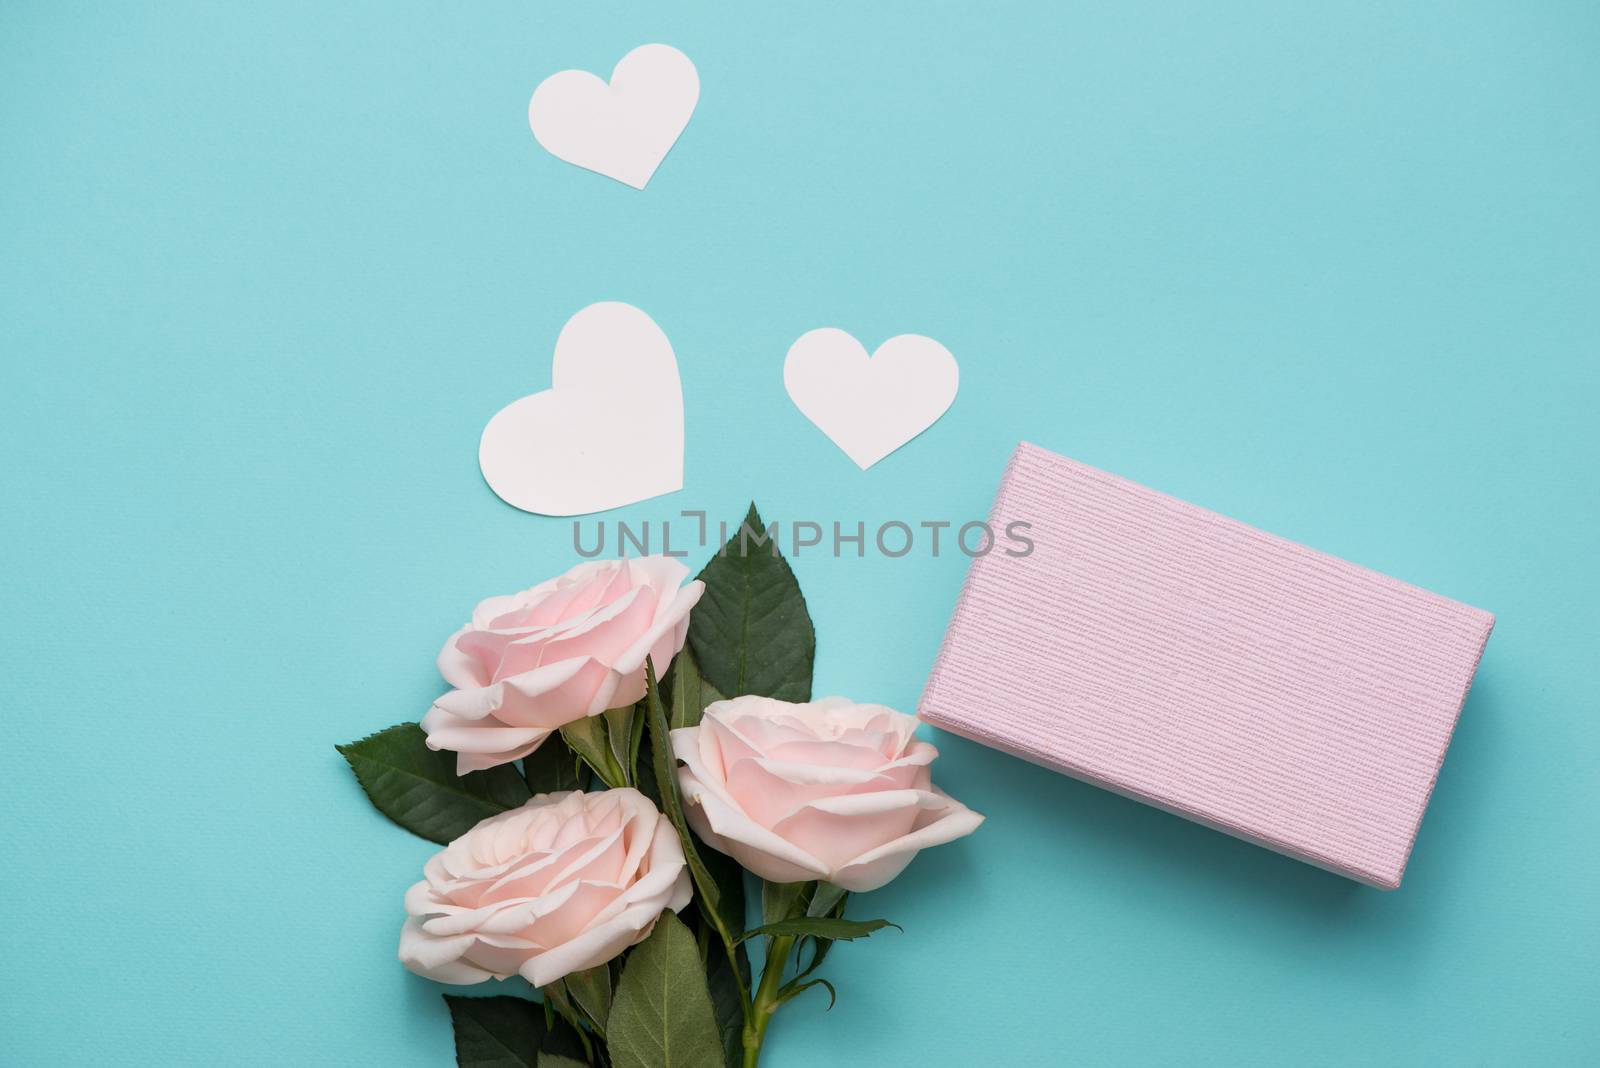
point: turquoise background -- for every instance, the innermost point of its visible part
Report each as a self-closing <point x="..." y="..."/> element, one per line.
<point x="266" y="270"/>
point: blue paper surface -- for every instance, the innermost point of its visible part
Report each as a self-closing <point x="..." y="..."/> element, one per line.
<point x="266" y="270"/>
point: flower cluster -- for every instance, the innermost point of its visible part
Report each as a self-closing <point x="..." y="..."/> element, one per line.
<point x="635" y="798"/>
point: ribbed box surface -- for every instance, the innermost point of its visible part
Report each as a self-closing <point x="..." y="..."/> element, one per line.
<point x="1195" y="663"/>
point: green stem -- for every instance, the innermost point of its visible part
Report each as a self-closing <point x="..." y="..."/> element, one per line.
<point x="731" y="951"/>
<point x="766" y="1000"/>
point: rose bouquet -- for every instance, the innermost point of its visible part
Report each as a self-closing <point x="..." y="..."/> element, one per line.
<point x="667" y="745"/>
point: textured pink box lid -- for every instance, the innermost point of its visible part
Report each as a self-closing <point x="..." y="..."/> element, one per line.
<point x="1198" y="664"/>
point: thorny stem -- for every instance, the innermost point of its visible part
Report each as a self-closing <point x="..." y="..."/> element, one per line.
<point x="766" y="999"/>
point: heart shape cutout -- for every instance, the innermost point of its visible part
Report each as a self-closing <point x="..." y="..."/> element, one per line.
<point x="623" y="129"/>
<point x="870" y="405"/>
<point x="608" y="431"/>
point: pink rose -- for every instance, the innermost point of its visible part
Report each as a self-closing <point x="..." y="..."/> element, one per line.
<point x="560" y="885"/>
<point x="574" y="646"/>
<point x="827" y="790"/>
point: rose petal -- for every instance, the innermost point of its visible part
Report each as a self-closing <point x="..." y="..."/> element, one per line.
<point x="567" y="879"/>
<point x="434" y="957"/>
<point x="728" y="830"/>
<point x="876" y="867"/>
<point x="666" y="621"/>
<point x="593" y="947"/>
<point x="837" y="829"/>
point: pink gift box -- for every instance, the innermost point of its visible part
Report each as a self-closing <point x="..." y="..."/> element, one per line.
<point x="1192" y="662"/>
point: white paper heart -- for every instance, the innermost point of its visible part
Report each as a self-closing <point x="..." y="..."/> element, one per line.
<point x="622" y="130"/>
<point x="870" y="406"/>
<point x="608" y="431"/>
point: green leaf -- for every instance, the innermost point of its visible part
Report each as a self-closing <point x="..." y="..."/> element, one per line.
<point x="751" y="632"/>
<point x="728" y="877"/>
<point x="821" y="927"/>
<point x="718" y="880"/>
<point x="665" y="768"/>
<point x="588" y="738"/>
<point x="564" y="1040"/>
<point x="645" y="769"/>
<point x="827" y="900"/>
<point x="561" y="1039"/>
<point x="640" y="714"/>
<point x="555" y="1060"/>
<point x="566" y="1016"/>
<point x="727" y="998"/>
<point x="551" y="768"/>
<point x="496" y="1032"/>
<point x="591" y="990"/>
<point x="779" y="901"/>
<point x="662" y="1017"/>
<point x="419" y="789"/>
<point x="619" y="739"/>
<point x="689" y="690"/>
